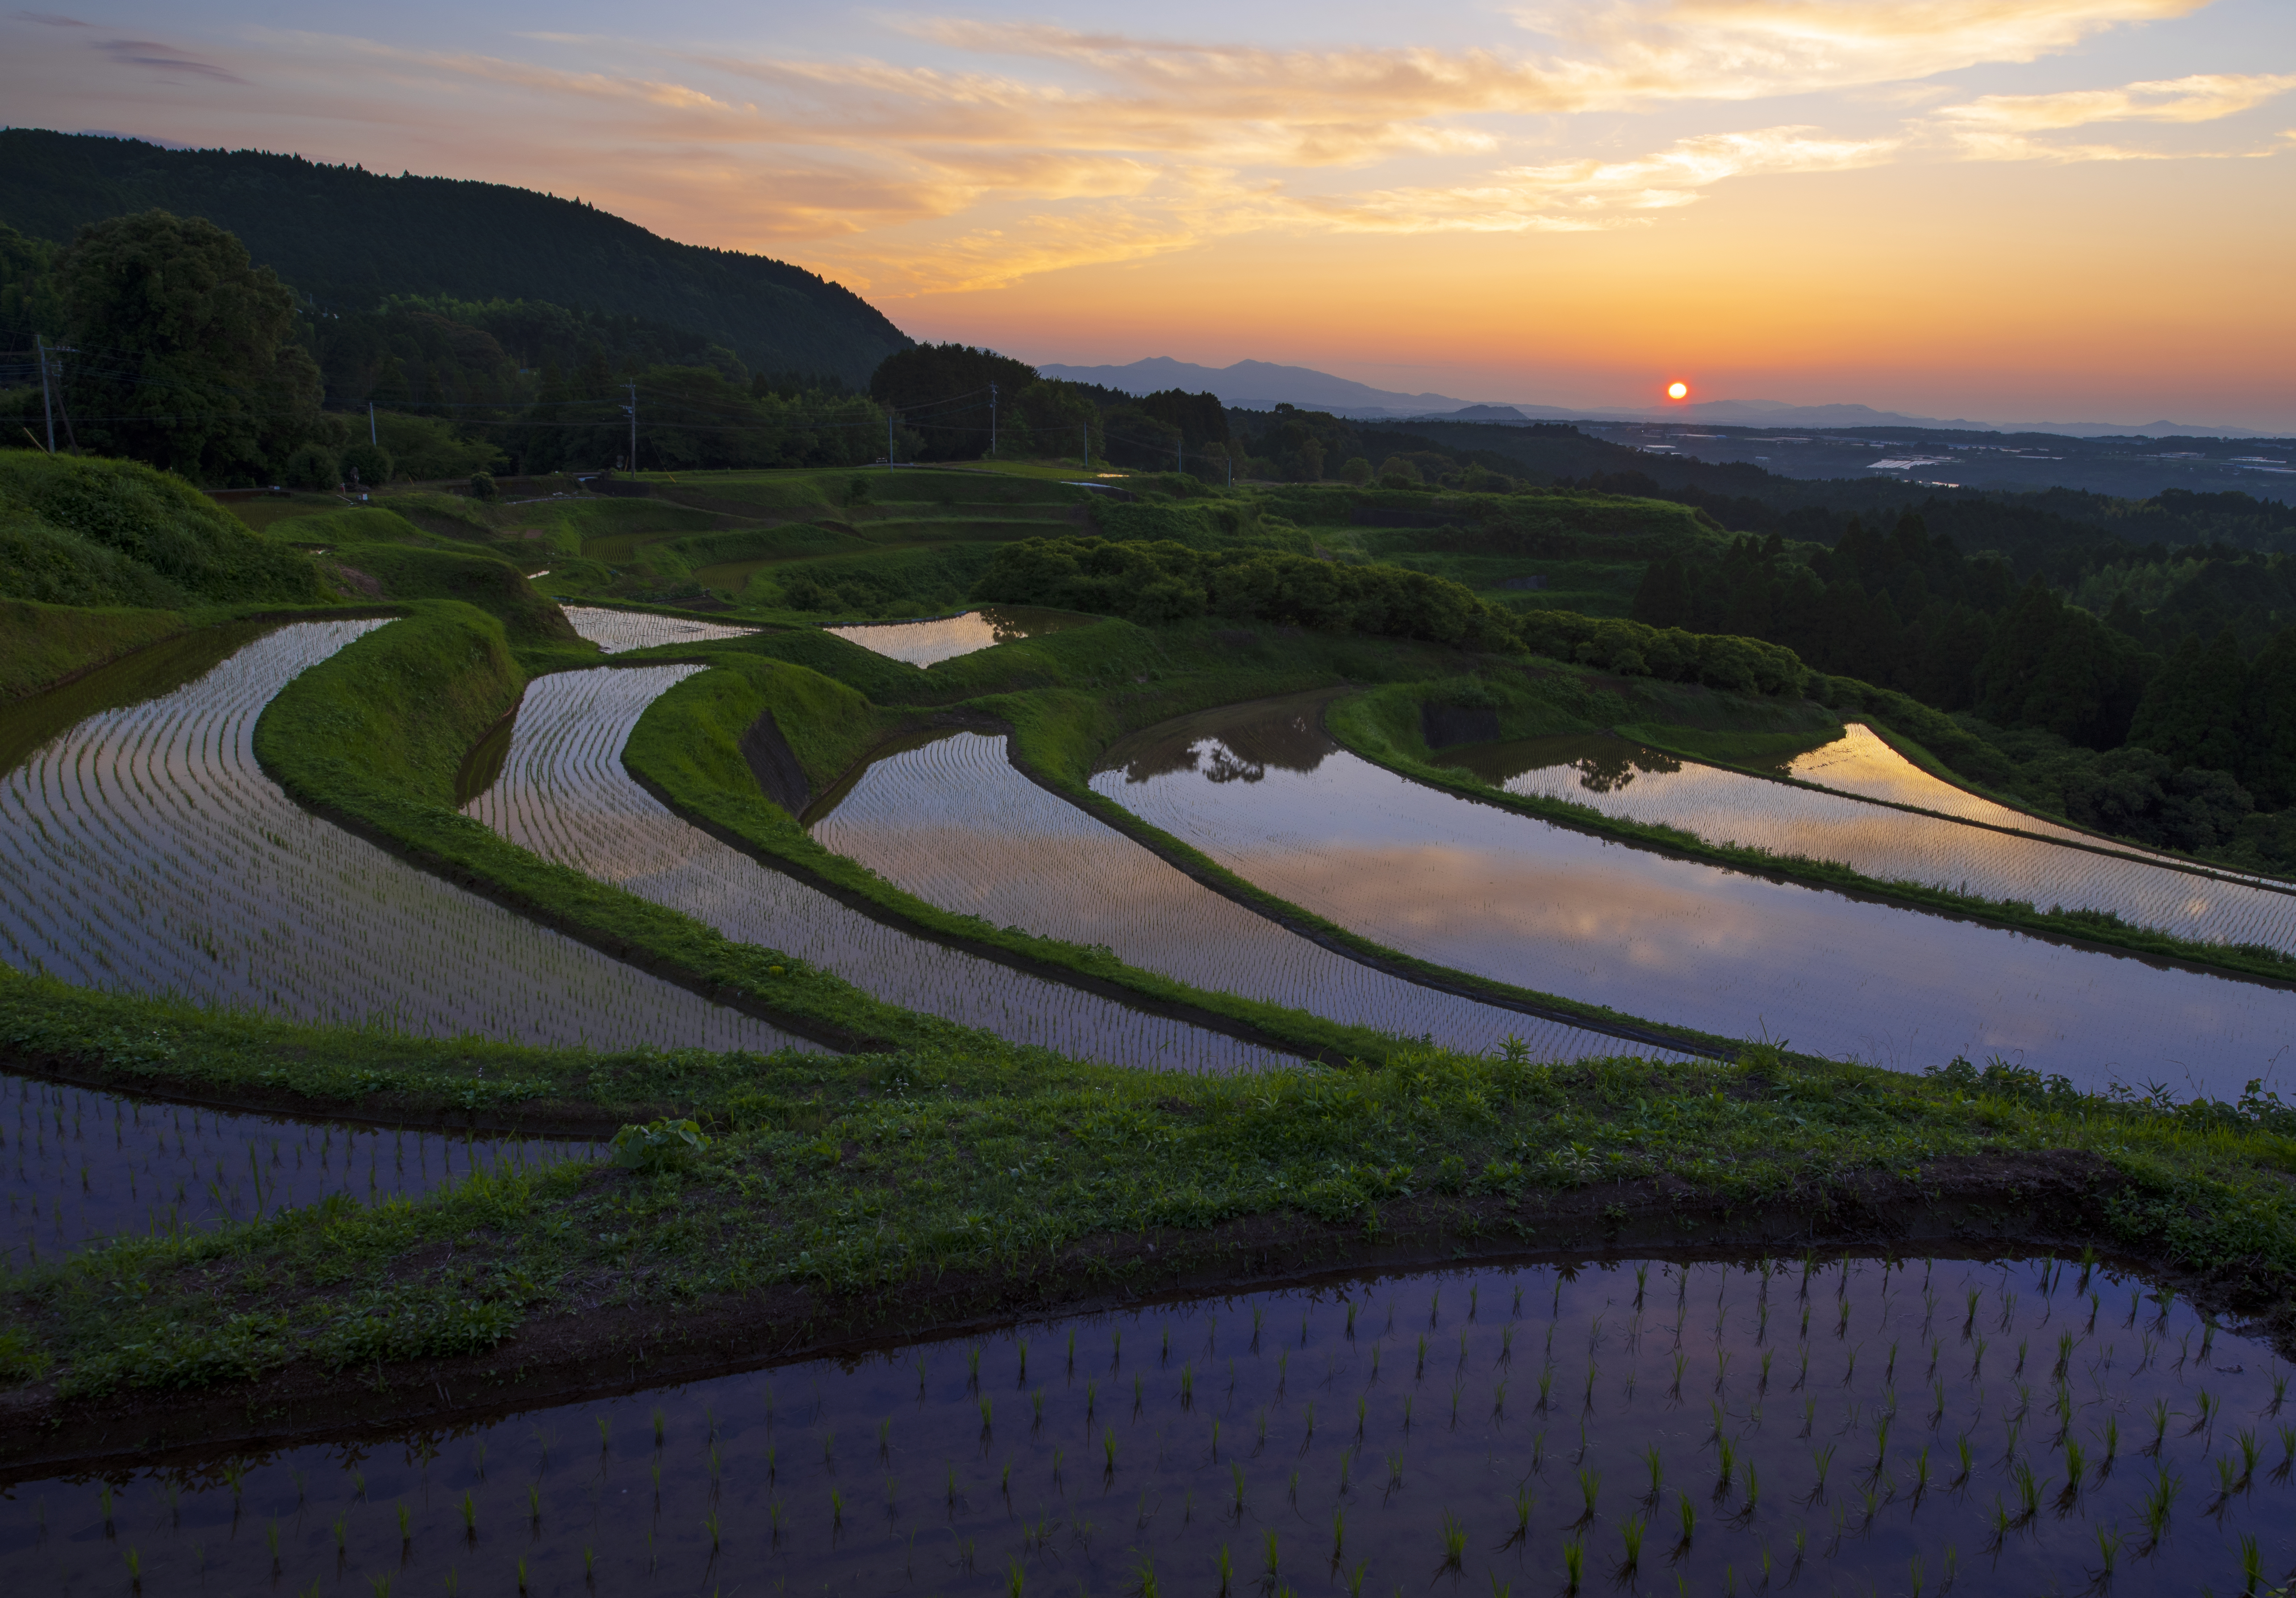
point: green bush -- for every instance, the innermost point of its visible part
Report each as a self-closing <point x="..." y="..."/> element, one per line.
<point x="1632" y="649"/>
<point x="1162" y="582"/>
<point x="657" y="1145"/>
<point x="312" y="468"/>
<point x="370" y="462"/>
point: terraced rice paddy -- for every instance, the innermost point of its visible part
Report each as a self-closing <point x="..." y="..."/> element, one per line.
<point x="952" y="821"/>
<point x="1623" y="779"/>
<point x="923" y="643"/>
<point x="2023" y="1426"/>
<point x="564" y="794"/>
<point x="143" y="851"/>
<point x="1264" y="791"/>
<point x="77" y="1165"/>
<point x="616" y="630"/>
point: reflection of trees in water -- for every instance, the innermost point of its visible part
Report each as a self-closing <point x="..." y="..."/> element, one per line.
<point x="1614" y="766"/>
<point x="1241" y="750"/>
<point x="1223" y="766"/>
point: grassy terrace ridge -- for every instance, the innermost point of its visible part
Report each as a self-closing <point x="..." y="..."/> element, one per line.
<point x="1382" y="726"/>
<point x="867" y="1197"/>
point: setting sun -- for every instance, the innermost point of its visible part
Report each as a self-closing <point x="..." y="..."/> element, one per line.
<point x="1677" y="391"/>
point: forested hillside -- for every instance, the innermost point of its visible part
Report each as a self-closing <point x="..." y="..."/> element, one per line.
<point x="349" y="239"/>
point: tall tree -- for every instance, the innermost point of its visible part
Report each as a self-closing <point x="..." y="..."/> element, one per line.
<point x="186" y="354"/>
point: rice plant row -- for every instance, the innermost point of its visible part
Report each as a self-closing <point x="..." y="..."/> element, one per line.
<point x="1512" y="897"/>
<point x="1894" y="846"/>
<point x="954" y="823"/>
<point x="563" y="794"/>
<point x="616" y="630"/>
<point x="77" y="1164"/>
<point x="1916" y="1426"/>
<point x="145" y="852"/>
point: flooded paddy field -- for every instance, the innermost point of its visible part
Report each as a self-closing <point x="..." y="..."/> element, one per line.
<point x="616" y="630"/>
<point x="1625" y="779"/>
<point x="78" y="1165"/>
<point x="2027" y="1425"/>
<point x="1262" y="790"/>
<point x="563" y="794"/>
<point x="952" y="821"/>
<point x="945" y="638"/>
<point x="143" y="851"/>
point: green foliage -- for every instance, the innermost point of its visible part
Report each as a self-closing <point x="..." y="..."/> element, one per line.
<point x="202" y="372"/>
<point x="661" y="1145"/>
<point x="411" y="572"/>
<point x="369" y="463"/>
<point x="428" y="448"/>
<point x="1631" y="649"/>
<point x="1163" y="583"/>
<point x="941" y="391"/>
<point x="312" y="468"/>
<point x="93" y="531"/>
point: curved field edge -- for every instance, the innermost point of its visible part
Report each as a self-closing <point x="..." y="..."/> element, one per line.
<point x="1379" y="725"/>
<point x="373" y="738"/>
<point x="863" y="1199"/>
<point x="685" y="750"/>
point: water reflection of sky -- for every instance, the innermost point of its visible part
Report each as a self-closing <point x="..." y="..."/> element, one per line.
<point x="1624" y="780"/>
<point x="1508" y="897"/>
<point x="924" y="643"/>
<point x="1340" y="1426"/>
<point x="950" y="820"/>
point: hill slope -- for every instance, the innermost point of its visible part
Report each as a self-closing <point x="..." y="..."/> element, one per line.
<point x="347" y="237"/>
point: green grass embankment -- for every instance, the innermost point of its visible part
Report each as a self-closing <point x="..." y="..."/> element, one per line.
<point x="42" y="645"/>
<point x="1383" y="725"/>
<point x="870" y="1197"/>
<point x="373" y="738"/>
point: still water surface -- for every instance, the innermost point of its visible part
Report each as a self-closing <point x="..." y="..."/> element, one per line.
<point x="924" y="643"/>
<point x="1261" y="789"/>
<point x="77" y="1164"/>
<point x="1623" y="779"/>
<point x="2018" y="1426"/>
<point x="564" y="794"/>
<point x="951" y="820"/>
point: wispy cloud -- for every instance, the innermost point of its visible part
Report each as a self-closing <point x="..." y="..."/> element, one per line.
<point x="163" y="59"/>
<point x="2204" y="97"/>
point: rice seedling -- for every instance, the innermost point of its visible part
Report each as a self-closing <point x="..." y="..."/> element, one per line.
<point x="1574" y="1564"/>
<point x="2159" y="1500"/>
<point x="1630" y="1537"/>
<point x="1689" y="1515"/>
<point x="1590" y="1485"/>
<point x="1657" y="1462"/>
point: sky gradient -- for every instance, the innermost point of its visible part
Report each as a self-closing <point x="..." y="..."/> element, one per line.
<point x="2008" y="209"/>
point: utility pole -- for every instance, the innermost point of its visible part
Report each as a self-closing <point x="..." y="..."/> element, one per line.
<point x="1086" y="431"/>
<point x="992" y="421"/>
<point x="632" y="408"/>
<point x="888" y="437"/>
<point x="46" y="405"/>
<point x="1180" y="453"/>
<point x="370" y="426"/>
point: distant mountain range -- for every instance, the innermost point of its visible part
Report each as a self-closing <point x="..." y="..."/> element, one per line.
<point x="1260" y="385"/>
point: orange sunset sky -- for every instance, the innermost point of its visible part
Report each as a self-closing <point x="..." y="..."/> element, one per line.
<point x="2006" y="210"/>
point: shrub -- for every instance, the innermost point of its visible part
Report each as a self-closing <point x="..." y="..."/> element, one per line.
<point x="482" y="485"/>
<point x="370" y="461"/>
<point x="657" y="1145"/>
<point x="312" y="468"/>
